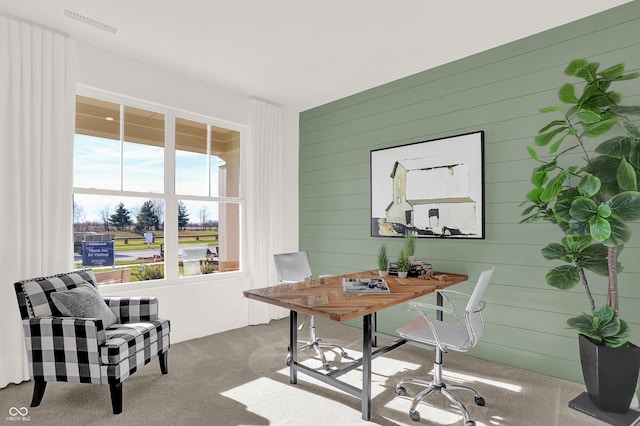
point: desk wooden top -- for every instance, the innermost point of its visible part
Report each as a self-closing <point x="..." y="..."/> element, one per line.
<point x="327" y="299"/>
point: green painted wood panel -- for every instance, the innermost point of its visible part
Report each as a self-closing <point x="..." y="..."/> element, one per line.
<point x="498" y="91"/>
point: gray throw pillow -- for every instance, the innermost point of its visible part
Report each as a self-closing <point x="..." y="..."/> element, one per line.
<point x="84" y="301"/>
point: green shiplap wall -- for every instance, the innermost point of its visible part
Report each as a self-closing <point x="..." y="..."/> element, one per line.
<point x="498" y="91"/>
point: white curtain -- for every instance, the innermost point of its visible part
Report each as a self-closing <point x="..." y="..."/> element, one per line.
<point x="37" y="104"/>
<point x="264" y="202"/>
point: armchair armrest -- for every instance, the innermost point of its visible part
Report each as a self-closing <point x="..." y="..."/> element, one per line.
<point x="81" y="328"/>
<point x="133" y="309"/>
<point x="54" y="342"/>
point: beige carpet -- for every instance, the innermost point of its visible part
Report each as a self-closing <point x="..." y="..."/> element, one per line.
<point x="239" y="378"/>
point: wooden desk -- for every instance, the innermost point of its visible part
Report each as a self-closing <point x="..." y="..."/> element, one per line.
<point x="325" y="298"/>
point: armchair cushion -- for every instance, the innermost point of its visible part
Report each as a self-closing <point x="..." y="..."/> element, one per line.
<point x="134" y="339"/>
<point x="83" y="301"/>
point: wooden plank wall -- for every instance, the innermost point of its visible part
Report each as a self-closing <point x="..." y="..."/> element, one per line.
<point x="498" y="91"/>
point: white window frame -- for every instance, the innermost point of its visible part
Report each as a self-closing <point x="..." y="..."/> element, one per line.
<point x="169" y="195"/>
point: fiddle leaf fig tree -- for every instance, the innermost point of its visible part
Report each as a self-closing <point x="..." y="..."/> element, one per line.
<point x="587" y="184"/>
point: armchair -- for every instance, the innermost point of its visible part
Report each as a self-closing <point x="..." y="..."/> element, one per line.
<point x="74" y="335"/>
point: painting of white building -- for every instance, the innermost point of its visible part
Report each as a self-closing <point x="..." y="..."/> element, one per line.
<point x="431" y="188"/>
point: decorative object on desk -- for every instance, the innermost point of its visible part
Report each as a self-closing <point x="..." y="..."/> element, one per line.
<point x="365" y="285"/>
<point x="383" y="261"/>
<point x="440" y="277"/>
<point x="410" y="245"/>
<point x="403" y="264"/>
<point x="592" y="198"/>
<point x="420" y="269"/>
<point x="430" y="189"/>
<point x="415" y="270"/>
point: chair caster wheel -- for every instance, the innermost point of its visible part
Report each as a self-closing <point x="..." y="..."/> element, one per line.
<point x="326" y="366"/>
<point x="470" y="423"/>
<point x="401" y="391"/>
<point x="479" y="401"/>
<point x="415" y="416"/>
<point x="344" y="354"/>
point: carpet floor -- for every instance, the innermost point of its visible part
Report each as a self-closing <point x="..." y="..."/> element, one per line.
<point x="239" y="377"/>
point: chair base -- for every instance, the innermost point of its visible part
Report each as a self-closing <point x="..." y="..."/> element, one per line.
<point x="438" y="386"/>
<point x="316" y="344"/>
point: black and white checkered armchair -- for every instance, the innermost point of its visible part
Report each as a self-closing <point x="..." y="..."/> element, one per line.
<point x="75" y="335"/>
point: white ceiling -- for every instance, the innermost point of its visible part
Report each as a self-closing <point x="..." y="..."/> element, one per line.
<point x="301" y="53"/>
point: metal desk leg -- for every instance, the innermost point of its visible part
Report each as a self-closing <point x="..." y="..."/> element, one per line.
<point x="293" y="347"/>
<point x="439" y="301"/>
<point x="367" y="329"/>
<point x="374" y="329"/>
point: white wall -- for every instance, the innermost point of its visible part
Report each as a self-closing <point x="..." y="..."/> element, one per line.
<point x="106" y="70"/>
<point x="207" y="304"/>
<point x="291" y="180"/>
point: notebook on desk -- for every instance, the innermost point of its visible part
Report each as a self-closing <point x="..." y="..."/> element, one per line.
<point x="365" y="285"/>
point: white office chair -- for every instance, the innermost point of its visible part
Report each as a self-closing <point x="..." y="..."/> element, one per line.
<point x="293" y="268"/>
<point x="460" y="336"/>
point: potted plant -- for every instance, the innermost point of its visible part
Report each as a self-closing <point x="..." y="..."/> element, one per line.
<point x="588" y="187"/>
<point x="403" y="264"/>
<point x="383" y="261"/>
<point x="410" y="245"/>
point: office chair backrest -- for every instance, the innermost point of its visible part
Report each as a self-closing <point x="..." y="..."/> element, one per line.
<point x="473" y="310"/>
<point x="292" y="267"/>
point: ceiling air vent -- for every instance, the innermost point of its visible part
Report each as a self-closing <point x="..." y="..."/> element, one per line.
<point x="90" y="21"/>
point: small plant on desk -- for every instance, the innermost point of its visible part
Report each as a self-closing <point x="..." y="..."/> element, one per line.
<point x="410" y="245"/>
<point x="403" y="264"/>
<point x="383" y="261"/>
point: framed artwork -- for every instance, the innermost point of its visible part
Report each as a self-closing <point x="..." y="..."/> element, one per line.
<point x="432" y="188"/>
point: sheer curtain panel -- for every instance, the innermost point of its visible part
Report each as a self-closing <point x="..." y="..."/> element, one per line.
<point x="264" y="202"/>
<point x="37" y="102"/>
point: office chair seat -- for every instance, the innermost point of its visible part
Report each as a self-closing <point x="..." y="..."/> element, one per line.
<point x="420" y="331"/>
<point x="459" y="334"/>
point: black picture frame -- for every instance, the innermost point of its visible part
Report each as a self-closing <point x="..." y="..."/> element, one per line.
<point x="433" y="188"/>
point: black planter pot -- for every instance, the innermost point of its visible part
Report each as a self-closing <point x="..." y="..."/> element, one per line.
<point x="610" y="374"/>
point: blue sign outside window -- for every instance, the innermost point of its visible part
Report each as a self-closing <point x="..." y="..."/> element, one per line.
<point x="98" y="253"/>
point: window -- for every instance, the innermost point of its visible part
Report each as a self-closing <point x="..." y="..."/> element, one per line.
<point x="208" y="165"/>
<point x="156" y="192"/>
